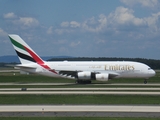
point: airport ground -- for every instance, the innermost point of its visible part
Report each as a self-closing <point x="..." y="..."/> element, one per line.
<point x="12" y="81"/>
<point x="74" y="118"/>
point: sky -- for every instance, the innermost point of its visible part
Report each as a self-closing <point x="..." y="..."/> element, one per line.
<point x="83" y="28"/>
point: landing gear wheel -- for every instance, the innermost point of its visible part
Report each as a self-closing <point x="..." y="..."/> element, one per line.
<point x="145" y="81"/>
<point x="89" y="82"/>
<point x="76" y="81"/>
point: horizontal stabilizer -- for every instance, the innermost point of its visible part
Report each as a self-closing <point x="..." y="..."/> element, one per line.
<point x="23" y="67"/>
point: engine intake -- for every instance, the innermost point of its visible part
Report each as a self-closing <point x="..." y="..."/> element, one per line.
<point x="102" y="77"/>
<point x="84" y="75"/>
<point x="92" y="76"/>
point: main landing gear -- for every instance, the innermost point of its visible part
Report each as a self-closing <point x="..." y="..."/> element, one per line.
<point x="145" y="81"/>
<point x="83" y="82"/>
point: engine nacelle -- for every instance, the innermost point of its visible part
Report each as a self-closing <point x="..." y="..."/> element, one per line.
<point x="102" y="77"/>
<point x="89" y="75"/>
<point x="84" y="75"/>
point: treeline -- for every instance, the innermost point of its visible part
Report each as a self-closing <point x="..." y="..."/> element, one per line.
<point x="154" y="64"/>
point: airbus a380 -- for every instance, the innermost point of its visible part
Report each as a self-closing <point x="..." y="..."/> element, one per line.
<point x="81" y="71"/>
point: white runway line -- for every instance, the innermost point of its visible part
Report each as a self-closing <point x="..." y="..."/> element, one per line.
<point x="77" y="92"/>
<point x="37" y="83"/>
<point x="130" y="84"/>
<point x="105" y="84"/>
<point x="78" y="108"/>
<point x="80" y="89"/>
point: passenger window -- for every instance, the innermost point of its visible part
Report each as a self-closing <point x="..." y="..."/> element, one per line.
<point x="149" y="68"/>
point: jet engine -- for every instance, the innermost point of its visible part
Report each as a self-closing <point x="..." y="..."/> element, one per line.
<point x="102" y="77"/>
<point x="84" y="75"/>
<point x="92" y="76"/>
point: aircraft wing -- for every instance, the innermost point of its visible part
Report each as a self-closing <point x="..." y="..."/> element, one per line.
<point x="69" y="73"/>
<point x="74" y="74"/>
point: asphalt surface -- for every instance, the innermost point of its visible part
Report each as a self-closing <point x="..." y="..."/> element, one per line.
<point x="81" y="89"/>
<point x="105" y="84"/>
<point x="77" y="93"/>
<point x="79" y="114"/>
<point x="79" y="110"/>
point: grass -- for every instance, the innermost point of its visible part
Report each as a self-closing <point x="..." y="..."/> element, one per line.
<point x="74" y="118"/>
<point x="79" y="99"/>
<point x="33" y="79"/>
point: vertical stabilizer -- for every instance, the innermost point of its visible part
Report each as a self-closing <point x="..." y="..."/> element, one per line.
<point x="25" y="53"/>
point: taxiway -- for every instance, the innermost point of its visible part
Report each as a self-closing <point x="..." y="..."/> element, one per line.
<point x="81" y="89"/>
<point x="77" y="93"/>
<point x="101" y="84"/>
<point x="78" y="108"/>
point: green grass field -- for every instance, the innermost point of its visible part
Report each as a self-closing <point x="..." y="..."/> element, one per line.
<point x="79" y="99"/>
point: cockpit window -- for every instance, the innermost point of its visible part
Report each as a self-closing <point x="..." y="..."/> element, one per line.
<point x="149" y="68"/>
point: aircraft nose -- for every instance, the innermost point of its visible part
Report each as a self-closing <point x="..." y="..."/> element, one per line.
<point x="152" y="73"/>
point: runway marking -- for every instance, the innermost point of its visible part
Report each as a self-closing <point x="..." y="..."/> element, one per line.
<point x="105" y="84"/>
<point x="80" y="89"/>
<point x="37" y="84"/>
<point x="130" y="84"/>
<point x="78" y="108"/>
<point x="78" y="92"/>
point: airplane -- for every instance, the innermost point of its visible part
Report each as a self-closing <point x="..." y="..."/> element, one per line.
<point x="82" y="72"/>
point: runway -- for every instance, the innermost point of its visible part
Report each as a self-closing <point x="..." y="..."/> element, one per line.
<point x="79" y="110"/>
<point x="77" y="93"/>
<point x="82" y="89"/>
<point x="101" y="84"/>
<point x="56" y="84"/>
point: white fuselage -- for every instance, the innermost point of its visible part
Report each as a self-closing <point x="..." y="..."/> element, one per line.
<point x="117" y="69"/>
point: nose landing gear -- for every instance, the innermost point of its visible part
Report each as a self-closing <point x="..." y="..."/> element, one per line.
<point x="145" y="81"/>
